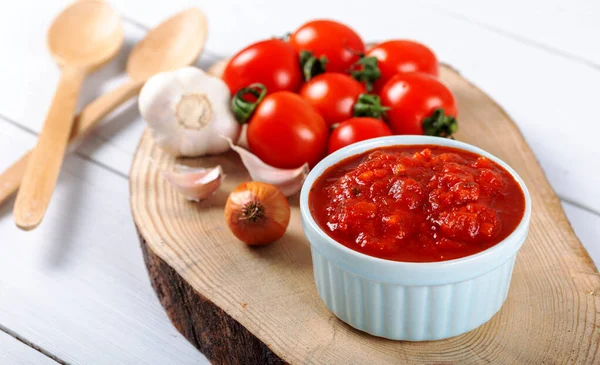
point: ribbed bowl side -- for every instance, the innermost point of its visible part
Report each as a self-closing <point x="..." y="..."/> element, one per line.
<point x="411" y="313"/>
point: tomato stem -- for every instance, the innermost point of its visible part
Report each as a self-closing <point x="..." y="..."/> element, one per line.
<point x="353" y="51"/>
<point x="311" y="65"/>
<point x="369" y="105"/>
<point x="285" y="37"/>
<point x="242" y="108"/>
<point x="366" y="71"/>
<point x="439" y="124"/>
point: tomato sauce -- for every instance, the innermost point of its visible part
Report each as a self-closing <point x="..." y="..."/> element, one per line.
<point x="417" y="203"/>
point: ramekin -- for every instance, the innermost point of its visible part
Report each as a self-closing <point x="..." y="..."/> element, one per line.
<point x="405" y="300"/>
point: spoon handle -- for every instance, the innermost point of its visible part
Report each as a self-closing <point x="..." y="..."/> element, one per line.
<point x="46" y="159"/>
<point x="10" y="179"/>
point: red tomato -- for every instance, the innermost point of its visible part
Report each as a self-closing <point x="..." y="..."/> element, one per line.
<point x="273" y="63"/>
<point x="402" y="56"/>
<point x="336" y="41"/>
<point x="356" y="130"/>
<point x="413" y="97"/>
<point x="333" y="95"/>
<point x="286" y="132"/>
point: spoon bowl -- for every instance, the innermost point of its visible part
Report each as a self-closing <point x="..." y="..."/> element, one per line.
<point x="187" y="32"/>
<point x="86" y="34"/>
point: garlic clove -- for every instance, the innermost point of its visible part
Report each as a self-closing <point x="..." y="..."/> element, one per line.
<point x="288" y="181"/>
<point x="195" y="184"/>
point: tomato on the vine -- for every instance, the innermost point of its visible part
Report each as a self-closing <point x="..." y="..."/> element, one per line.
<point x="338" y="97"/>
<point x="273" y="63"/>
<point x="419" y="104"/>
<point x="397" y="56"/>
<point x="333" y="95"/>
<point x="338" y="43"/>
<point x="355" y="130"/>
<point x="283" y="129"/>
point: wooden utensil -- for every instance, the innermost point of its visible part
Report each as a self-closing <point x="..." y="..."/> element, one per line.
<point x="175" y="43"/>
<point x="83" y="37"/>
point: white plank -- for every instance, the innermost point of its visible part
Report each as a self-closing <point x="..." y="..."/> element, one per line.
<point x="587" y="227"/>
<point x="77" y="286"/>
<point x="15" y="352"/>
<point x="569" y="27"/>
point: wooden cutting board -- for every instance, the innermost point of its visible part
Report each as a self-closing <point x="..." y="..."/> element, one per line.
<point x="260" y="305"/>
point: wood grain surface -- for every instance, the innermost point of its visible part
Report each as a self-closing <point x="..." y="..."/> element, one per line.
<point x="550" y="315"/>
<point x="220" y="338"/>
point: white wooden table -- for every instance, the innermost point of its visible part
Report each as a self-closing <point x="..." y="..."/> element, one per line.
<point x="76" y="290"/>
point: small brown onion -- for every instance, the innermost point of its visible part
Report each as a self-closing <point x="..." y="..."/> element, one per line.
<point x="257" y="213"/>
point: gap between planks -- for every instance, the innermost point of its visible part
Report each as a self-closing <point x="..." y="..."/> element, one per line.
<point x="514" y="37"/>
<point x="460" y="17"/>
<point x="31" y="132"/>
<point x="578" y="205"/>
<point x="32" y="345"/>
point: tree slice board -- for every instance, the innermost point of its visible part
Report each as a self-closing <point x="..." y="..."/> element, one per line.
<point x="260" y="305"/>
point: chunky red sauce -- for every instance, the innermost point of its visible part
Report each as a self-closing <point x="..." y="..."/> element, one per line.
<point x="417" y="203"/>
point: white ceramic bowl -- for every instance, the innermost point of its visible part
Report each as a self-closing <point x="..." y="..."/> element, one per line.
<point x="407" y="300"/>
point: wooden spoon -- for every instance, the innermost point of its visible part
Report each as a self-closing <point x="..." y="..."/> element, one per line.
<point x="175" y="43"/>
<point x="83" y="37"/>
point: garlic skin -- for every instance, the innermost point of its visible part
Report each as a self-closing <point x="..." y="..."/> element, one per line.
<point x="195" y="184"/>
<point x="243" y="140"/>
<point x="288" y="181"/>
<point x="187" y="110"/>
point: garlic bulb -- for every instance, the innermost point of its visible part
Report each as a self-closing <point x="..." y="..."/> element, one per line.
<point x="288" y="181"/>
<point x="187" y="110"/>
<point x="195" y="184"/>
